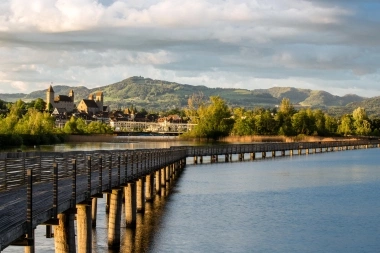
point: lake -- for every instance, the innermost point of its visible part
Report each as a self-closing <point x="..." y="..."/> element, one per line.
<point x="325" y="202"/>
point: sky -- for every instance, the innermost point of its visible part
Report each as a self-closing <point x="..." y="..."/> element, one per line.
<point x="331" y="45"/>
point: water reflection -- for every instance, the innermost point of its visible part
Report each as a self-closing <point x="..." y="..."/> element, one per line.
<point x="88" y="146"/>
<point x="138" y="240"/>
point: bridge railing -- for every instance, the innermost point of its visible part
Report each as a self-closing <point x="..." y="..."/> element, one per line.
<point x="133" y="163"/>
<point x="267" y="147"/>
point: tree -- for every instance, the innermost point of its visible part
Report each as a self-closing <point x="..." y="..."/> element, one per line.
<point x="39" y="104"/>
<point x="265" y="124"/>
<point x="244" y="122"/>
<point x="284" y="117"/>
<point x="213" y="120"/>
<point x="303" y="122"/>
<point x="346" y="125"/>
<point x="361" y="123"/>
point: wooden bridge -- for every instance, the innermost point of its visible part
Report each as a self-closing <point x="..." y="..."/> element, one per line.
<point x="53" y="188"/>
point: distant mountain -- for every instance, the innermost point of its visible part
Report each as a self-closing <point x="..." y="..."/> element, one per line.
<point x="11" y="97"/>
<point x="163" y="95"/>
<point x="372" y="105"/>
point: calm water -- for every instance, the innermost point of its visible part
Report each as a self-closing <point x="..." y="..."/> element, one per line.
<point x="311" y="203"/>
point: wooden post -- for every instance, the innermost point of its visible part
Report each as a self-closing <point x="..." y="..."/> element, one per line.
<point x="88" y="178"/>
<point x="100" y="177"/>
<point x="64" y="233"/>
<point x="94" y="210"/>
<point x="140" y="195"/>
<point x="130" y="205"/>
<point x="84" y="228"/>
<point x="149" y="186"/>
<point x="74" y="183"/>
<point x="114" y="220"/>
<point x="158" y="181"/>
<point x="29" y="213"/>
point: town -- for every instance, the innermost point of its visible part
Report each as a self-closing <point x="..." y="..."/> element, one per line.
<point x="128" y="120"/>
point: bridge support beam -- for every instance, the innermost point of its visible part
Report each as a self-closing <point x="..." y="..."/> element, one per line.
<point x="167" y="174"/>
<point x="140" y="195"/>
<point x="149" y="187"/>
<point x="84" y="228"/>
<point x="282" y="152"/>
<point x="64" y="233"/>
<point x="263" y="154"/>
<point x="291" y="152"/>
<point x="114" y="219"/>
<point x="195" y="159"/>
<point x="307" y="151"/>
<point x="108" y="200"/>
<point x="226" y="157"/>
<point x="253" y="156"/>
<point x="30" y="248"/>
<point x="94" y="210"/>
<point x="130" y="205"/>
<point x="201" y="159"/>
<point x="273" y="153"/>
<point x="158" y="181"/>
<point x="163" y="178"/>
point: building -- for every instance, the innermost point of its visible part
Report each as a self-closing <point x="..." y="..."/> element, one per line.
<point x="62" y="103"/>
<point x="92" y="105"/>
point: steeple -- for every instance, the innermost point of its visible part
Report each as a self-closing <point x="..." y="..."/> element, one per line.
<point x="49" y="97"/>
<point x="71" y="94"/>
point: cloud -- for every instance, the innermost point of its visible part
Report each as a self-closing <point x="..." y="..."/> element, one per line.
<point x="321" y="44"/>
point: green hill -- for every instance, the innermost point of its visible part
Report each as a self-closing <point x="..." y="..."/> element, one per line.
<point x="163" y="95"/>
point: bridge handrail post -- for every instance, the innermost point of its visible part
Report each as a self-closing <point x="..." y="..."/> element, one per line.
<point x="132" y="165"/>
<point x="29" y="203"/>
<point x="88" y="177"/>
<point x="125" y="168"/>
<point x="55" y="190"/>
<point x="100" y="176"/>
<point x="74" y="183"/>
<point x="109" y="172"/>
<point x="118" y="169"/>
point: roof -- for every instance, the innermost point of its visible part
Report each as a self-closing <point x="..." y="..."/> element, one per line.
<point x="50" y="89"/>
<point x="62" y="98"/>
<point x="90" y="103"/>
<point x="58" y="111"/>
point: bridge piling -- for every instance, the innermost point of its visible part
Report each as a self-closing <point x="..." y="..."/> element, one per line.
<point x="64" y="233"/>
<point x="140" y="195"/>
<point x="114" y="220"/>
<point x="94" y="209"/>
<point x="84" y="232"/>
<point x="130" y="205"/>
<point x="149" y="187"/>
<point x="158" y="181"/>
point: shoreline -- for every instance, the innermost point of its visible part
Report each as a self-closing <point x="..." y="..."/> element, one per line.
<point x="228" y="139"/>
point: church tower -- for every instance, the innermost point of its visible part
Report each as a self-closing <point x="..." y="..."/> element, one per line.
<point x="71" y="95"/>
<point x="50" y="98"/>
<point x="99" y="100"/>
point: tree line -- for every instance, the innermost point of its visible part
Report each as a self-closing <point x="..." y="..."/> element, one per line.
<point x="214" y="119"/>
<point x="29" y="124"/>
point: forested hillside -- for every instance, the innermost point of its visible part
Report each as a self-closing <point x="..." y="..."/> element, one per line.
<point x="161" y="95"/>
